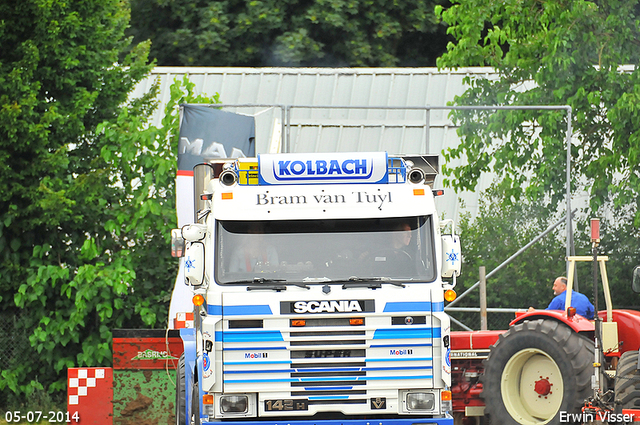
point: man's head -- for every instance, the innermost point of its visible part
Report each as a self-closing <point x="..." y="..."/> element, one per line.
<point x="559" y="285"/>
<point x="402" y="237"/>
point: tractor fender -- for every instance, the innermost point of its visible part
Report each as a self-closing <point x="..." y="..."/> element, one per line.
<point x="577" y="323"/>
<point x="628" y="328"/>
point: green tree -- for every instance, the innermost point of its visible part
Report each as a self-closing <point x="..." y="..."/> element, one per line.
<point x="290" y="32"/>
<point x="501" y="228"/>
<point x="549" y="52"/>
<point x="498" y="231"/>
<point x="126" y="279"/>
<point x="86" y="190"/>
<point x="59" y="80"/>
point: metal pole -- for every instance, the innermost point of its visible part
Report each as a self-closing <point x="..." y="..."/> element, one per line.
<point x="489" y="309"/>
<point x="288" y="138"/>
<point x="483" y="299"/>
<point x="568" y="195"/>
<point x="283" y="125"/>
<point x="598" y="321"/>
<point x="426" y="131"/>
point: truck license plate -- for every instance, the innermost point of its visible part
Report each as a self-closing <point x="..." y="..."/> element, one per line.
<point x="286" y="404"/>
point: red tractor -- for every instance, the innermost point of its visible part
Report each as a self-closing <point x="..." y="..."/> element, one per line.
<point x="551" y="366"/>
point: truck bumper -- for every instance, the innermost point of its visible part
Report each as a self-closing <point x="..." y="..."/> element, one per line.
<point x="446" y="420"/>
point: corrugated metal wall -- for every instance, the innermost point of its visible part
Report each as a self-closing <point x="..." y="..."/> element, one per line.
<point x="395" y="130"/>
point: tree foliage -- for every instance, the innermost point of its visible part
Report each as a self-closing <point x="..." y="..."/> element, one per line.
<point x="290" y="32"/>
<point x="62" y="265"/>
<point x="498" y="231"/>
<point x="550" y="52"/>
<point x="86" y="189"/>
<point x="501" y="228"/>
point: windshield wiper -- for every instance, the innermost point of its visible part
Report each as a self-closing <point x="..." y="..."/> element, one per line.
<point x="257" y="280"/>
<point x="276" y="288"/>
<point x="367" y="282"/>
<point x="299" y="285"/>
<point x="262" y="281"/>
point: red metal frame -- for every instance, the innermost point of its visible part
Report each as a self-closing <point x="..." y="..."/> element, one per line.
<point x="635" y="414"/>
<point x="468" y="350"/>
<point x="473" y="340"/>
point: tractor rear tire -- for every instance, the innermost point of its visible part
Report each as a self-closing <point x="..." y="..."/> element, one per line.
<point x="535" y="371"/>
<point x="181" y="393"/>
<point x="627" y="383"/>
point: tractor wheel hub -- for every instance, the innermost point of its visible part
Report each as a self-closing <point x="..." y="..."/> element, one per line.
<point x="543" y="387"/>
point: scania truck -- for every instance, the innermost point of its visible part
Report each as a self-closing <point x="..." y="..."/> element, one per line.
<point x="318" y="292"/>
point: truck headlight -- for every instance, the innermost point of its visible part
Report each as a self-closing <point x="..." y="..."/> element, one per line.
<point x="234" y="403"/>
<point x="420" y="401"/>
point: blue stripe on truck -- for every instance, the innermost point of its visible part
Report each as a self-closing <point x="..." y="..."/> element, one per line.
<point x="336" y="378"/>
<point x="394" y="307"/>
<point x="251" y="336"/>
<point x="406" y="333"/>
<point x="409" y="306"/>
<point x="240" y="310"/>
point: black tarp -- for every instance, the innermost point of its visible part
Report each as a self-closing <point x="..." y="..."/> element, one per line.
<point x="209" y="133"/>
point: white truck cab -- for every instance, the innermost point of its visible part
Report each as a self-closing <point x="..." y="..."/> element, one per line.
<point x="319" y="292"/>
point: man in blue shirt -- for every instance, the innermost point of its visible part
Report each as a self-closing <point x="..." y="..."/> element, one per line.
<point x="582" y="304"/>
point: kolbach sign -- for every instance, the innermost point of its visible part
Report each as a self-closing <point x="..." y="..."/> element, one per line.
<point x="323" y="168"/>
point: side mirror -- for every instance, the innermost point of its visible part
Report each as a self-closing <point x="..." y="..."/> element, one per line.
<point x="635" y="285"/>
<point x="194" y="232"/>
<point x="177" y="243"/>
<point x="194" y="264"/>
<point x="451" y="256"/>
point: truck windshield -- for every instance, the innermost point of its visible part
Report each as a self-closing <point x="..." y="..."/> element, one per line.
<point x="322" y="251"/>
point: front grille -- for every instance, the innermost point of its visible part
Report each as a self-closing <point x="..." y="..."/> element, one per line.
<point x="337" y="381"/>
<point x="328" y="361"/>
<point x="325" y="354"/>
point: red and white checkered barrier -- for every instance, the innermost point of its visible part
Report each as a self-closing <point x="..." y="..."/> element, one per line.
<point x="183" y="320"/>
<point x="90" y="394"/>
<point x="86" y="378"/>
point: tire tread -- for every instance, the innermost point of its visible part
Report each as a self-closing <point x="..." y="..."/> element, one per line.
<point x="576" y="351"/>
<point x="627" y="382"/>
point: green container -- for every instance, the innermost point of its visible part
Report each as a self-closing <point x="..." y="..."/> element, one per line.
<point x="144" y="363"/>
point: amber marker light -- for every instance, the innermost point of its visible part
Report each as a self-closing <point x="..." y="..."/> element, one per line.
<point x="445" y="395"/>
<point x="418" y="192"/>
<point x="296" y="322"/>
<point x="356" y="321"/>
<point x="207" y="399"/>
<point x="198" y="300"/>
<point x="450" y="295"/>
<point x="571" y="311"/>
<point x="227" y="195"/>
